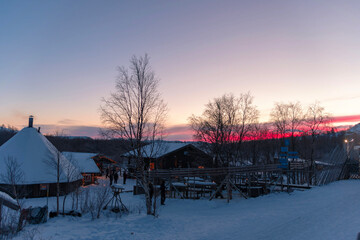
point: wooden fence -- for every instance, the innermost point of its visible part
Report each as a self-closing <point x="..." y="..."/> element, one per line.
<point x="262" y="178"/>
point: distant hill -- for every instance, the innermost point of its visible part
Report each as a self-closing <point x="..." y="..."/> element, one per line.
<point x="78" y="137"/>
<point x="112" y="148"/>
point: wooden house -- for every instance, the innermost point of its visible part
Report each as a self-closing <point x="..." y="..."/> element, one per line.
<point x="86" y="165"/>
<point x="104" y="162"/>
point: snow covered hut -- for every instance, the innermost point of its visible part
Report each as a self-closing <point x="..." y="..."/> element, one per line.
<point x="86" y="165"/>
<point x="34" y="159"/>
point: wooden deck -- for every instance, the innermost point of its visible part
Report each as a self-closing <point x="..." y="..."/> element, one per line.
<point x="200" y="172"/>
<point x="248" y="181"/>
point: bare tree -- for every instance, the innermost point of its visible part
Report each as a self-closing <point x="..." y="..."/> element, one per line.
<point x="279" y="117"/>
<point x="56" y="165"/>
<point x="216" y="126"/>
<point x="59" y="166"/>
<point x="224" y="125"/>
<point x="53" y="161"/>
<point x="136" y="112"/>
<point x="14" y="177"/>
<point x="287" y="118"/>
<point x="71" y="171"/>
<point x="316" y="121"/>
<point x="259" y="132"/>
<point x="296" y="119"/>
<point x="247" y="119"/>
<point x="98" y="198"/>
<point x="266" y="135"/>
<point x="62" y="169"/>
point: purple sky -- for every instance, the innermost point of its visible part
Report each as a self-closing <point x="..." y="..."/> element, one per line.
<point x="59" y="58"/>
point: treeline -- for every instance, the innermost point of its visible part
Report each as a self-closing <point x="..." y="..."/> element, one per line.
<point x="263" y="151"/>
<point x="230" y="126"/>
<point x="109" y="147"/>
<point x="6" y="132"/>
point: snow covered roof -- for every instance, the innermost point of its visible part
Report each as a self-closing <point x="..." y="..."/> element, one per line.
<point x="159" y="149"/>
<point x="83" y="161"/>
<point x="8" y="201"/>
<point x="355" y="129"/>
<point x="36" y="158"/>
<point x="296" y="160"/>
<point x="6" y="197"/>
<point x="324" y="163"/>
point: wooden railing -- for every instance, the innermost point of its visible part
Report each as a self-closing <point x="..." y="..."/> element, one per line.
<point x="198" y="172"/>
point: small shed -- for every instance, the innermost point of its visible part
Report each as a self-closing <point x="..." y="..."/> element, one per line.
<point x="86" y="165"/>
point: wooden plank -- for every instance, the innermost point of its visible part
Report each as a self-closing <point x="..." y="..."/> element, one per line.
<point x="219" y="188"/>
<point x="177" y="191"/>
<point x="237" y="189"/>
<point x="290" y="185"/>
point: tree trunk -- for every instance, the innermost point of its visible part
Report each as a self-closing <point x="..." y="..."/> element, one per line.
<point x="145" y="184"/>
<point x="64" y="204"/>
<point x="154" y="205"/>
<point x="57" y="197"/>
<point x="0" y="216"/>
<point x="58" y="184"/>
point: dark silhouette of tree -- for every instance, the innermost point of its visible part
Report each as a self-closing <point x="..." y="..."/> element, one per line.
<point x="136" y="112"/>
<point x="224" y="124"/>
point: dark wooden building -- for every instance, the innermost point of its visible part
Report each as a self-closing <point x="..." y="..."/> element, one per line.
<point x="168" y="155"/>
<point x="104" y="162"/>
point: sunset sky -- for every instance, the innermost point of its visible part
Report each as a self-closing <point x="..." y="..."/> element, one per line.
<point x="59" y="58"/>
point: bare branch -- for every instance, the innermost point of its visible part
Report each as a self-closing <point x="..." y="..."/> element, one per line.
<point x="136" y="111"/>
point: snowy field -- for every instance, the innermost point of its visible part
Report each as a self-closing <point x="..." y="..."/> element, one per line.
<point x="328" y="212"/>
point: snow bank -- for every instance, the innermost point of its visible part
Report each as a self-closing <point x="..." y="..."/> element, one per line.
<point x="6" y="197"/>
<point x="328" y="212"/>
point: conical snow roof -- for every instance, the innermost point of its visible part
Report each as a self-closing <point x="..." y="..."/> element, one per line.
<point x="37" y="159"/>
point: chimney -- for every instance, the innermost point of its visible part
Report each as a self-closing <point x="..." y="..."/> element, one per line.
<point x="31" y="120"/>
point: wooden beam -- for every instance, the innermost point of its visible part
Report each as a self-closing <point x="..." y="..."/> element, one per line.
<point x="219" y="188"/>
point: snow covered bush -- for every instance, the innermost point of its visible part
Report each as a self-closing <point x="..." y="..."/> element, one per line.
<point x="84" y="201"/>
<point x="75" y="195"/>
<point x="136" y="209"/>
<point x="93" y="200"/>
<point x="8" y="223"/>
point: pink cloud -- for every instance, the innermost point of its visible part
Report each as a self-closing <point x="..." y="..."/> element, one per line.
<point x="180" y="132"/>
<point x="349" y="118"/>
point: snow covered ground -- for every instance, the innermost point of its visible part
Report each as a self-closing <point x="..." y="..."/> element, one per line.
<point x="328" y="212"/>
